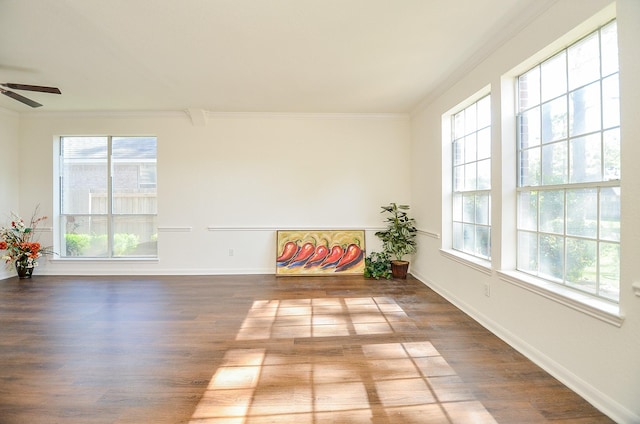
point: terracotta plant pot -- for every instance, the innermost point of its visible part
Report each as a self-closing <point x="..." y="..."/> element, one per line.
<point x="399" y="269"/>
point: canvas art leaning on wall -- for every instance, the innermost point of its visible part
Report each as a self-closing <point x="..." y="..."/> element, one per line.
<point x="320" y="252"/>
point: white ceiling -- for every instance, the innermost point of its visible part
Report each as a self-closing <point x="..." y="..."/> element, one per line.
<point x="349" y="56"/>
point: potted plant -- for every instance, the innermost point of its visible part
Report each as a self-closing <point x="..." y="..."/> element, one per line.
<point x="399" y="239"/>
<point x="17" y="240"/>
<point x="377" y="265"/>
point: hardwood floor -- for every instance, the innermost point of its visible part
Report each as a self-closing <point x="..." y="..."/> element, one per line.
<point x="259" y="349"/>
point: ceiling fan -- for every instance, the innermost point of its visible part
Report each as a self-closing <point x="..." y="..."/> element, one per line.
<point x="26" y="101"/>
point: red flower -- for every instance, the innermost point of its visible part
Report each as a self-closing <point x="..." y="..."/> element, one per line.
<point x="16" y="240"/>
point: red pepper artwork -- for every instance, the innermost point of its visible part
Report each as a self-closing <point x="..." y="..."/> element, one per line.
<point x="303" y="255"/>
<point x="351" y="258"/>
<point x="288" y="252"/>
<point x="319" y="252"/>
<point x="334" y="257"/>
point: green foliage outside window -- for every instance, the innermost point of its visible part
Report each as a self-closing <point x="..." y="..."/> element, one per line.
<point x="85" y="244"/>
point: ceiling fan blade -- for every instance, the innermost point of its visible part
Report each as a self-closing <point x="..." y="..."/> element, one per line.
<point x="20" y="98"/>
<point x="40" y="88"/>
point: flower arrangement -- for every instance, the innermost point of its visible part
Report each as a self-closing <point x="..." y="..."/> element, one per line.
<point x="18" y="242"/>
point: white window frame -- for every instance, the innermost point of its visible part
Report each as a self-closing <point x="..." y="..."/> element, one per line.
<point x="110" y="215"/>
<point x="601" y="309"/>
<point x="480" y="264"/>
<point x="465" y="188"/>
<point x="538" y="188"/>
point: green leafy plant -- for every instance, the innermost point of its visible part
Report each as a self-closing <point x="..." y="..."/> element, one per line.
<point x="76" y="244"/>
<point x="88" y="244"/>
<point x="377" y="265"/>
<point x="399" y="239"/>
<point x="124" y="243"/>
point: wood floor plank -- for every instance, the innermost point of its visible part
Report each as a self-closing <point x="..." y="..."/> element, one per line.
<point x="259" y="349"/>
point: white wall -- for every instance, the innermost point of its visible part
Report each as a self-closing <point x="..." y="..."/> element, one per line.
<point x="230" y="184"/>
<point x="9" y="175"/>
<point x="599" y="360"/>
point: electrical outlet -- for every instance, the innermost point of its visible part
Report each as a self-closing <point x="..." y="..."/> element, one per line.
<point x="487" y="290"/>
<point x="231" y="252"/>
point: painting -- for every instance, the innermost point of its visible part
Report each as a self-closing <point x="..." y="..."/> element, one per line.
<point x="320" y="252"/>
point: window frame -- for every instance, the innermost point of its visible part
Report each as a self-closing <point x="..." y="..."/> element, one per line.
<point x="567" y="185"/>
<point x="110" y="216"/>
<point x="457" y="245"/>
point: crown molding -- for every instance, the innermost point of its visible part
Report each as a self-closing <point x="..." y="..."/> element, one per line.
<point x="307" y="115"/>
<point x="200" y="116"/>
<point x="103" y="114"/>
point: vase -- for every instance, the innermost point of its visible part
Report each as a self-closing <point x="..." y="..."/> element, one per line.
<point x="23" y="270"/>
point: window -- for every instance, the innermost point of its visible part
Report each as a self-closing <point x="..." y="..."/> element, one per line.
<point x="568" y="219"/>
<point x="471" y="209"/>
<point x="108" y="197"/>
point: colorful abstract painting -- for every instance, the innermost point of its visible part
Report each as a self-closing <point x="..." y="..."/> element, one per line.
<point x="320" y="252"/>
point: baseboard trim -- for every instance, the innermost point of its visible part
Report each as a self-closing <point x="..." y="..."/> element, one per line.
<point x="601" y="401"/>
<point x="177" y="271"/>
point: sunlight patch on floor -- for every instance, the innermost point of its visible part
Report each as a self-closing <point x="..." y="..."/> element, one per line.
<point x="297" y="318"/>
<point x="367" y="382"/>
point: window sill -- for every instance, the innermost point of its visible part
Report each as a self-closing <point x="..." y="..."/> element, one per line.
<point x="468" y="260"/>
<point x="597" y="308"/>
<point x="102" y="260"/>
